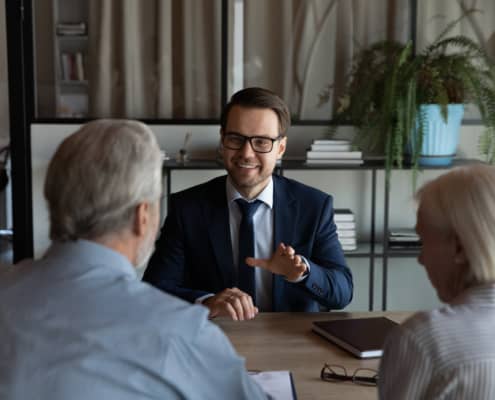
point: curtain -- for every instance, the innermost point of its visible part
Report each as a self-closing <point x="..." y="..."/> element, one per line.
<point x="154" y="58"/>
<point x="434" y="16"/>
<point x="297" y="47"/>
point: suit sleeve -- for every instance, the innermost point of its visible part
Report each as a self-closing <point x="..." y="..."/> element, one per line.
<point x="167" y="267"/>
<point x="330" y="279"/>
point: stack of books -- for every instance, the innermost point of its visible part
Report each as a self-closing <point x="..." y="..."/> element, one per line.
<point x="333" y="151"/>
<point x="346" y="228"/>
<point x="72" y="67"/>
<point x="403" y="238"/>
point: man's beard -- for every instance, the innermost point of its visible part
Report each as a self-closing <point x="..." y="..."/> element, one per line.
<point x="145" y="250"/>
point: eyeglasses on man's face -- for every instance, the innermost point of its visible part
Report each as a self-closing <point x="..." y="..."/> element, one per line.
<point x="337" y="373"/>
<point x="260" y="144"/>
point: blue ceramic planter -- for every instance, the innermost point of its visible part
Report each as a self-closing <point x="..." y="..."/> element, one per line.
<point x="440" y="139"/>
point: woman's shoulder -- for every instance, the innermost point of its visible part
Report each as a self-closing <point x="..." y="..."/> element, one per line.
<point x="429" y="320"/>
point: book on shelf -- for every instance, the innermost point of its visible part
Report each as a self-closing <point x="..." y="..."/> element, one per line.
<point x="71" y="29"/>
<point x="343" y="215"/>
<point x="403" y="233"/>
<point x="351" y="241"/>
<point x="404" y="241"/>
<point x="331" y="141"/>
<point x="404" y="245"/>
<point x="79" y="66"/>
<point x="334" y="155"/>
<point x="65" y="66"/>
<point x="403" y="238"/>
<point x="346" y="233"/>
<point x="342" y="225"/>
<point x="343" y="161"/>
<point x="362" y="337"/>
<point x="331" y="147"/>
<point x="72" y="66"/>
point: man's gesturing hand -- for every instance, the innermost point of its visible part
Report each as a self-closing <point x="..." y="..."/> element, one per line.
<point x="284" y="261"/>
<point x="233" y="303"/>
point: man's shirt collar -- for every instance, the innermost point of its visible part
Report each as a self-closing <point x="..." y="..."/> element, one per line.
<point x="266" y="195"/>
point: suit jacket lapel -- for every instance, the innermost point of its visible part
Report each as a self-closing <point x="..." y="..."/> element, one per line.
<point x="285" y="210"/>
<point x="217" y="217"/>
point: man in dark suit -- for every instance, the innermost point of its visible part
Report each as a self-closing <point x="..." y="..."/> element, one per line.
<point x="213" y="231"/>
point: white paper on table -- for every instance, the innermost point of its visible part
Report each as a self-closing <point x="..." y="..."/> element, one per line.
<point x="277" y="384"/>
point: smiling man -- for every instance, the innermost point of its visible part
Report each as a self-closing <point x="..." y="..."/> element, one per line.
<point x="252" y="241"/>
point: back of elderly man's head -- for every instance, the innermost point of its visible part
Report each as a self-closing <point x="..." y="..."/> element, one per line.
<point x="98" y="176"/>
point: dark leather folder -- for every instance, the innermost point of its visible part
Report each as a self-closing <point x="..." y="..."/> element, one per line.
<point x="363" y="337"/>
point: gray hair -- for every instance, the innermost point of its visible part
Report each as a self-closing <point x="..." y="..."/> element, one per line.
<point x="97" y="177"/>
<point x="462" y="202"/>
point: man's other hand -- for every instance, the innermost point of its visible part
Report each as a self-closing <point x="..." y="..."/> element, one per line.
<point x="284" y="261"/>
<point x="233" y="303"/>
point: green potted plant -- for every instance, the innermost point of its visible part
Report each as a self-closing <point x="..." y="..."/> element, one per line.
<point x="393" y="97"/>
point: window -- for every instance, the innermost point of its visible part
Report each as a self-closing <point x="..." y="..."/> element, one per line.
<point x="181" y="59"/>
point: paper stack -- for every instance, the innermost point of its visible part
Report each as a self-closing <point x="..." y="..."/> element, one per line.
<point x="403" y="238"/>
<point x="71" y="29"/>
<point x="346" y="228"/>
<point x="333" y="151"/>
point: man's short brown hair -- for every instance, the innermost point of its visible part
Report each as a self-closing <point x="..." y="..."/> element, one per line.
<point x="255" y="97"/>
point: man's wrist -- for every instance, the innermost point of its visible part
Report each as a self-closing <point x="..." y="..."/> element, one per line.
<point x="304" y="274"/>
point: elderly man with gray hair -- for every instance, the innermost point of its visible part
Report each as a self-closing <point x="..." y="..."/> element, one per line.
<point x="78" y="324"/>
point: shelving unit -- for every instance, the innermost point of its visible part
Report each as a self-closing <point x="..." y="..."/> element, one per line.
<point x="71" y="49"/>
<point x="365" y="250"/>
<point x="403" y="253"/>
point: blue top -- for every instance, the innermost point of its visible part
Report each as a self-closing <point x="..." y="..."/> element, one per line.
<point x="77" y="324"/>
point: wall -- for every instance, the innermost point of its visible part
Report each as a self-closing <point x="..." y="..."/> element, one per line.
<point x="408" y="286"/>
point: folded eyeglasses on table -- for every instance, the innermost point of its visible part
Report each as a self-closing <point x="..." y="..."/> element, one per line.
<point x="338" y="373"/>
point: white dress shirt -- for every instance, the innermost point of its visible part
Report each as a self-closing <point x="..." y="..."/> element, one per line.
<point x="263" y="238"/>
<point x="447" y="353"/>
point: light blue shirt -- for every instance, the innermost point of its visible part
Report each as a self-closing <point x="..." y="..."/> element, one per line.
<point x="78" y="324"/>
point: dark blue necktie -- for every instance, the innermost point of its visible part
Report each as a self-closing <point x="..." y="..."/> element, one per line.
<point x="246" y="245"/>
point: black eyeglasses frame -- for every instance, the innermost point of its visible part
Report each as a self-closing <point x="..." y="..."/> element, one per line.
<point x="250" y="140"/>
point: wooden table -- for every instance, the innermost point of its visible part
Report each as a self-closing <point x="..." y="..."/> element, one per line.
<point x="284" y="341"/>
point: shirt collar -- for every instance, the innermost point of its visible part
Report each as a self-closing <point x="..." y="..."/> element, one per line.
<point x="92" y="254"/>
<point x="482" y="294"/>
<point x="266" y="195"/>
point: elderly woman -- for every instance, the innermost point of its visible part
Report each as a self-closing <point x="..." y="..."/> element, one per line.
<point x="449" y="353"/>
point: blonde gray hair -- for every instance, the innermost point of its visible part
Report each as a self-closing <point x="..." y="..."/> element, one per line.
<point x="462" y="202"/>
<point x="98" y="176"/>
